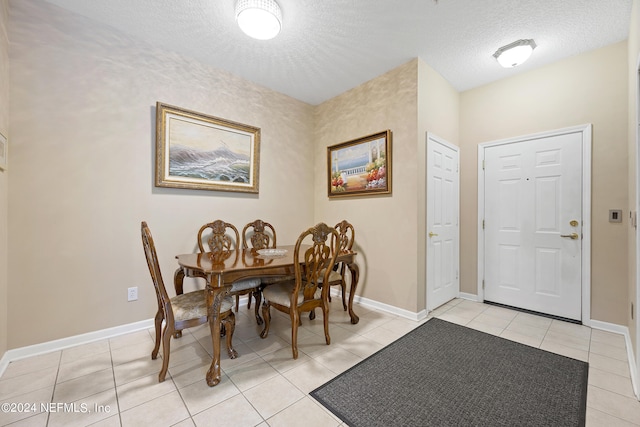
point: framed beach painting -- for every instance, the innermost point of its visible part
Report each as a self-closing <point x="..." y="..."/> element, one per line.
<point x="203" y="152"/>
<point x="361" y="166"/>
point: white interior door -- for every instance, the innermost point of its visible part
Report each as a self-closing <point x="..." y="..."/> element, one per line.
<point x="443" y="238"/>
<point x="533" y="224"/>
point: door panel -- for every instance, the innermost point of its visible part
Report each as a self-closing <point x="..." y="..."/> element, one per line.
<point x="533" y="190"/>
<point x="442" y="222"/>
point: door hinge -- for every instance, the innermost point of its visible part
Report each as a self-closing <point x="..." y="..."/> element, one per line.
<point x="483" y="165"/>
<point x="483" y="224"/>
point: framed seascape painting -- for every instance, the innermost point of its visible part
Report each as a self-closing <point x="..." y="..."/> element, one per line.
<point x="202" y="152"/>
<point x="361" y="166"/>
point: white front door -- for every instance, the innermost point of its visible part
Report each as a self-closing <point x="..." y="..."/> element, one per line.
<point x="533" y="224"/>
<point x="443" y="236"/>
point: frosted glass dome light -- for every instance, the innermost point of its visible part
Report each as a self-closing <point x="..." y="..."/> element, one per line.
<point x="515" y="53"/>
<point x="260" y="19"/>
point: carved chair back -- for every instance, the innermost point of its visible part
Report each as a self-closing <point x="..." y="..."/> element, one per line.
<point x="347" y="235"/>
<point x="260" y="234"/>
<point x="318" y="260"/>
<point x="219" y="238"/>
<point x="164" y="302"/>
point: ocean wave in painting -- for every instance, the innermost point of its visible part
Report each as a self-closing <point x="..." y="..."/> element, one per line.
<point x="221" y="164"/>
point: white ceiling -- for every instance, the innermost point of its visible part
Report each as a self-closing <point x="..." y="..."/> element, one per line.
<point x="329" y="46"/>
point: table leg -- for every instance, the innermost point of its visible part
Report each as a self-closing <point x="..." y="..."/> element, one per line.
<point x="355" y="275"/>
<point x="214" y="301"/>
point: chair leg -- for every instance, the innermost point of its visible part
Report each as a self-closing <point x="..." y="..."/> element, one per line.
<point x="230" y="325"/>
<point x="295" y="319"/>
<point x="249" y="301"/>
<point x="257" y="294"/>
<point x="166" y="351"/>
<point x="237" y="302"/>
<point x="158" y="323"/>
<point x="344" y="295"/>
<point x="312" y="314"/>
<point x="325" y="312"/>
<point x="267" y="319"/>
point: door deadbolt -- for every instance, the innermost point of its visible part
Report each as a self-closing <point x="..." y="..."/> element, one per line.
<point x="573" y="223"/>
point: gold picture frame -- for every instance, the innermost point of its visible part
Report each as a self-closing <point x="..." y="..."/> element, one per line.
<point x="360" y="167"/>
<point x="201" y="152"/>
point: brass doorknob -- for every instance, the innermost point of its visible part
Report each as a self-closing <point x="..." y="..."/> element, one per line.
<point x="572" y="236"/>
<point x="431" y="234"/>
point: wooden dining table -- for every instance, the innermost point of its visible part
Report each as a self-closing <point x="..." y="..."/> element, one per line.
<point x="220" y="272"/>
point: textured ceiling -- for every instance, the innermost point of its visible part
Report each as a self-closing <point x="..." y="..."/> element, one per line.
<point x="329" y="46"/>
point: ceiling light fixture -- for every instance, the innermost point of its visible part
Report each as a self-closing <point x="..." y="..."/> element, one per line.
<point x="515" y="53"/>
<point x="260" y="19"/>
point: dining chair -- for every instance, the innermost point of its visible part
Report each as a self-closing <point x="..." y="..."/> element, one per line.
<point x="182" y="311"/>
<point x="303" y="294"/>
<point x="260" y="235"/>
<point x="347" y="236"/>
<point x="222" y="239"/>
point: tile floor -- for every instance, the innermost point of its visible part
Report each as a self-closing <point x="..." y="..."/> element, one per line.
<point x="114" y="382"/>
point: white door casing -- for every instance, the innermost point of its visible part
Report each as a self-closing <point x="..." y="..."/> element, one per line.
<point x="443" y="231"/>
<point x="534" y="190"/>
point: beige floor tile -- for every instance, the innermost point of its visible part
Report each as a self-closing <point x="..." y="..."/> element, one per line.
<point x="133" y="338"/>
<point x="268" y="345"/>
<point x="609" y="364"/>
<point x="199" y="396"/>
<point x="612" y="382"/>
<point x="619" y="406"/>
<point x="189" y="373"/>
<point x="338" y="360"/>
<point x="453" y="318"/>
<point x="304" y="411"/>
<point x="609" y="351"/>
<point x="26" y="383"/>
<point x="597" y="418"/>
<point x="483" y="327"/>
<point x="527" y="329"/>
<point x="137" y="369"/>
<point x="309" y="376"/>
<point x="236" y="411"/>
<point x="283" y="361"/>
<point x="572" y="329"/>
<point x="163" y="411"/>
<point x="132" y="352"/>
<point x="142" y="390"/>
<point x="85" y="411"/>
<point x="72" y="354"/>
<point x="37" y="397"/>
<point x="501" y="312"/>
<point x="81" y="387"/>
<point x="383" y="335"/>
<point x="261" y="397"/>
<point x="489" y="319"/>
<point x="521" y="338"/>
<point x="567" y="340"/>
<point x="606" y="337"/>
<point x="532" y="320"/>
<point x="361" y="346"/>
<point x="251" y="374"/>
<point x="564" y="350"/>
<point x="84" y="366"/>
<point x="30" y="364"/>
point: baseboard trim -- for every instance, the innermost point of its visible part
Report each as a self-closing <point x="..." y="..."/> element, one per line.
<point x="60" y="344"/>
<point x="624" y="331"/>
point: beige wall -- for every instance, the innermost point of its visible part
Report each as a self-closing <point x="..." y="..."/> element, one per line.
<point x="385" y="225"/>
<point x="438" y="113"/>
<point x="82" y="135"/>
<point x="4" y="175"/>
<point x="587" y="88"/>
<point x="82" y="121"/>
<point x="633" y="63"/>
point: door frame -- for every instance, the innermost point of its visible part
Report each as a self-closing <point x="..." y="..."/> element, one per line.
<point x="586" y="208"/>
<point x="437" y="139"/>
